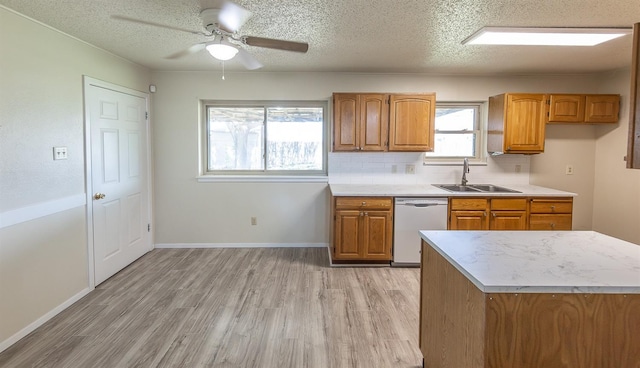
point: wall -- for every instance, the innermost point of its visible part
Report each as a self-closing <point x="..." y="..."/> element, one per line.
<point x="219" y="213"/>
<point x="43" y="240"/>
<point x="609" y="194"/>
<point x="616" y="208"/>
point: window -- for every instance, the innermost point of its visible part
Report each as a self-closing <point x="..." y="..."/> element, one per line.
<point x="271" y="138"/>
<point x="457" y="133"/>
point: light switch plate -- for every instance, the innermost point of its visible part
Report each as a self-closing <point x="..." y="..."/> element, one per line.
<point x="59" y="153"/>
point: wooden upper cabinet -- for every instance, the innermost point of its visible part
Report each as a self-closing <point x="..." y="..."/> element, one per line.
<point x="573" y="108"/>
<point x="412" y="122"/>
<point x="360" y="122"/>
<point x="517" y="123"/>
<point x="374" y="120"/>
<point x="566" y="108"/>
<point x="602" y="109"/>
<point x="346" y="122"/>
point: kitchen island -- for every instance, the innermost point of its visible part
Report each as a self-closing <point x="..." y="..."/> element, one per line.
<point x="529" y="299"/>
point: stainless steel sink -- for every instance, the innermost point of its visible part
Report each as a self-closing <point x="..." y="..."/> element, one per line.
<point x="492" y="188"/>
<point x="475" y="188"/>
<point x="457" y="188"/>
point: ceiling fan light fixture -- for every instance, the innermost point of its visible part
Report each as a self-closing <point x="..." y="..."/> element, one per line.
<point x="541" y="36"/>
<point x="221" y="49"/>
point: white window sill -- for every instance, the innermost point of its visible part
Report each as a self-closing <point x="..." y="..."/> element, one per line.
<point x="261" y="179"/>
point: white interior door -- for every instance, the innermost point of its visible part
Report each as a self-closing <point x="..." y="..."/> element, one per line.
<point x="119" y="179"/>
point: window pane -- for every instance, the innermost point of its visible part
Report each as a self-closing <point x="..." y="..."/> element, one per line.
<point x="455" y="118"/>
<point x="294" y="138"/>
<point x="236" y="138"/>
<point x="454" y="145"/>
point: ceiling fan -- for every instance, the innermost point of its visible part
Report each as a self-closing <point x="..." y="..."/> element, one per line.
<point x="222" y="23"/>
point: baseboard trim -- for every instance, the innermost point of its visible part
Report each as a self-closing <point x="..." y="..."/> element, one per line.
<point x="4" y="345"/>
<point x="240" y="245"/>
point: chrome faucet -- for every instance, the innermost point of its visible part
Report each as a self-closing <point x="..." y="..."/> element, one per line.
<point x="465" y="170"/>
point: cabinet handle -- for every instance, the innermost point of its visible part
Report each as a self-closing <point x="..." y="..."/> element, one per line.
<point x="484" y="213"/>
<point x="509" y="148"/>
<point x="366" y="213"/>
<point x="364" y="203"/>
<point x="553" y="208"/>
<point x="553" y="226"/>
<point x="493" y="214"/>
<point x="360" y="214"/>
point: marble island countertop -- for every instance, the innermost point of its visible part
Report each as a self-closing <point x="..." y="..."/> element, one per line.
<point x="428" y="190"/>
<point x="541" y="261"/>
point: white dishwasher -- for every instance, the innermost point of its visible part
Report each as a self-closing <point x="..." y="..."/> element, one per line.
<point x="412" y="215"/>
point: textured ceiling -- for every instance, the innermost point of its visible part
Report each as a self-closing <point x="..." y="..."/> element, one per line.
<point x="351" y="35"/>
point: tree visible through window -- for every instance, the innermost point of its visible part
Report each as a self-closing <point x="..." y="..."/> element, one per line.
<point x="284" y="139"/>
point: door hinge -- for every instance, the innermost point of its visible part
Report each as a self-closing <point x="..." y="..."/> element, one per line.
<point x="148" y="227"/>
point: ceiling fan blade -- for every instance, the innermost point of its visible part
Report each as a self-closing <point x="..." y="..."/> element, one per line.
<point x="154" y="24"/>
<point x="247" y="60"/>
<point x="232" y="16"/>
<point x="191" y="50"/>
<point x="271" y="43"/>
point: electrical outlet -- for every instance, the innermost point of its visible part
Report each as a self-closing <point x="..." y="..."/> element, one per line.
<point x="410" y="169"/>
<point x="394" y="169"/>
<point x="518" y="168"/>
<point x="254" y="221"/>
<point x="59" y="153"/>
<point x="568" y="170"/>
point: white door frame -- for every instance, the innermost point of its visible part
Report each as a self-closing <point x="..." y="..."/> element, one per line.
<point x="88" y="81"/>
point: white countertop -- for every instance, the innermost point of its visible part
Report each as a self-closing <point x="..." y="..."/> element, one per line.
<point x="541" y="261"/>
<point x="428" y="190"/>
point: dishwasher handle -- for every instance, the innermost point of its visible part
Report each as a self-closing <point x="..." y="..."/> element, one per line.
<point x="424" y="204"/>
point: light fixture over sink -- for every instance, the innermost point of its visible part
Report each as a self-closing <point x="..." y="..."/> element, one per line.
<point x="221" y="49"/>
<point x="540" y="36"/>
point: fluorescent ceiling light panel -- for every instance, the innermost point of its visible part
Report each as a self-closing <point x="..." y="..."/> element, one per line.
<point x="544" y="36"/>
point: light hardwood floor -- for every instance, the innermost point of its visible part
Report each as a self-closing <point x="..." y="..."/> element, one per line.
<point x="263" y="308"/>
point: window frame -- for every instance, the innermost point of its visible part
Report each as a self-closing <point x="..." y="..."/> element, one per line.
<point x="264" y="174"/>
<point x="480" y="157"/>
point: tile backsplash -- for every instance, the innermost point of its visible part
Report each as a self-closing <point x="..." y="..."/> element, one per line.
<point x="390" y="168"/>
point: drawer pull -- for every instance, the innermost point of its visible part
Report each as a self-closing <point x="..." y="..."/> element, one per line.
<point x="364" y="203"/>
<point x="553" y="208"/>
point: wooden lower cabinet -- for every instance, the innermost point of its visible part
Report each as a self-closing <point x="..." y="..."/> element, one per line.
<point x="488" y="214"/>
<point x="479" y="213"/>
<point x="550" y="213"/>
<point x="362" y="228"/>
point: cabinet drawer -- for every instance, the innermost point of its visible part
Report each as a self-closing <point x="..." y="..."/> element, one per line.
<point x="550" y="222"/>
<point x="364" y="202"/>
<point x="551" y="205"/>
<point x="469" y="204"/>
<point x="509" y="204"/>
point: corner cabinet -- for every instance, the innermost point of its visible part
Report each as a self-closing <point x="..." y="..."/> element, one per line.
<point x="383" y="122"/>
<point x="362" y="228"/>
<point x="412" y="122"/>
<point x="584" y="109"/>
<point x="517" y="123"/>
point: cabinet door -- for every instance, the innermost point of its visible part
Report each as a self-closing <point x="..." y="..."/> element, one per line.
<point x="346" y="122"/>
<point x="550" y="222"/>
<point x="508" y="220"/>
<point x="377" y="236"/>
<point x="347" y="241"/>
<point x="374" y="122"/>
<point x="468" y="220"/>
<point x="602" y="108"/>
<point x="525" y="122"/>
<point x="566" y="108"/>
<point x="412" y="122"/>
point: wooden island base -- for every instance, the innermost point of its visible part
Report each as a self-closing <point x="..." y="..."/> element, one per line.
<point x="460" y="326"/>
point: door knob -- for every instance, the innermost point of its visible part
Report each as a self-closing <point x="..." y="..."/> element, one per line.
<point x="99" y="196"/>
